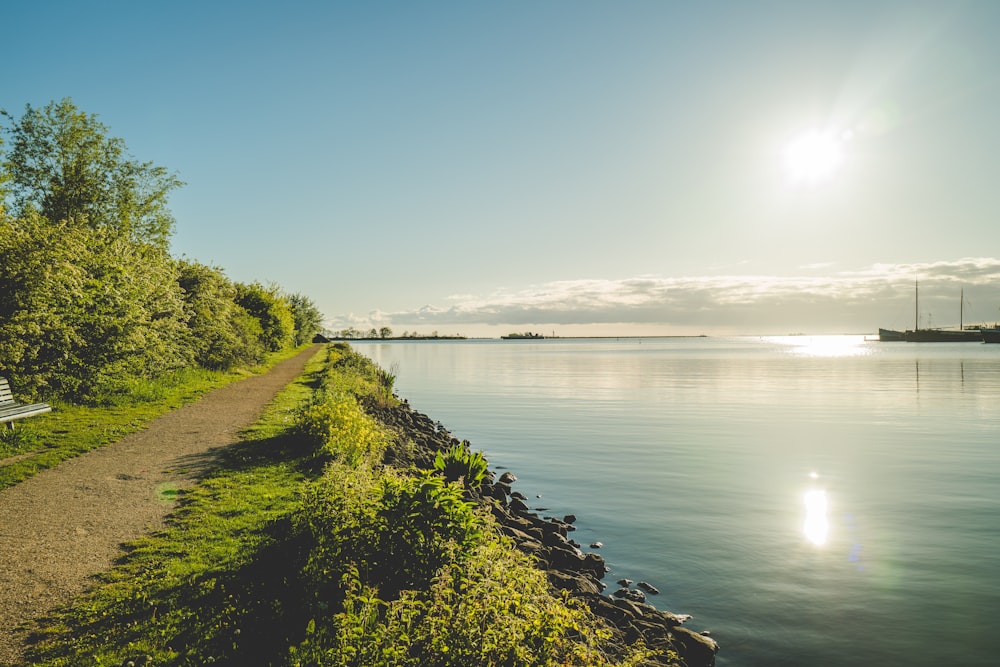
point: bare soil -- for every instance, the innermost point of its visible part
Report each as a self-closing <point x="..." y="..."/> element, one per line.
<point x="65" y="525"/>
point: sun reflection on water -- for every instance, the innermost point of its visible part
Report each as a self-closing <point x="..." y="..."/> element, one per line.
<point x="825" y="346"/>
<point x="817" y="525"/>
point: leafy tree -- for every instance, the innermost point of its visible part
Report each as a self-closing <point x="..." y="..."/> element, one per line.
<point x="308" y="318"/>
<point x="63" y="164"/>
<point x="222" y="333"/>
<point x="271" y="310"/>
<point x="84" y="312"/>
<point x="385" y="332"/>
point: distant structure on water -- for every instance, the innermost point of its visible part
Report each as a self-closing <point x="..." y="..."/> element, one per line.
<point x="523" y="336"/>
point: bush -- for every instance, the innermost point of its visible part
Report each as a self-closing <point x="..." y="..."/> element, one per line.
<point x="460" y="464"/>
<point x="334" y="420"/>
<point x="222" y="334"/>
<point x="84" y="312"/>
<point x="487" y="605"/>
<point x="272" y="311"/>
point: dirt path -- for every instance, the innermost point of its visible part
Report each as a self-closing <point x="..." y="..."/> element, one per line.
<point x="66" y="524"/>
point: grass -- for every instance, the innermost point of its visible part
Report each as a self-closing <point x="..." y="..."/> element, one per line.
<point x="206" y="589"/>
<point x="302" y="548"/>
<point x="47" y="440"/>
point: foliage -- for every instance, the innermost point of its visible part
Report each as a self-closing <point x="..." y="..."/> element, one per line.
<point x="492" y="607"/>
<point x="217" y="584"/>
<point x="84" y="311"/>
<point x="334" y="420"/>
<point x="92" y="307"/>
<point x="460" y="464"/>
<point x="307" y="317"/>
<point x="63" y="164"/>
<point x="70" y="430"/>
<point x="271" y="310"/>
<point x="269" y="562"/>
<point x="357" y="374"/>
<point x="223" y="334"/>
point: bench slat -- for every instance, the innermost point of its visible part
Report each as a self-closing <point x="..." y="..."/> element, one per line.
<point x="11" y="409"/>
<point x="20" y="411"/>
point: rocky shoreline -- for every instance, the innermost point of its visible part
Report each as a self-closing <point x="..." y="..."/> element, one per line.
<point x="548" y="540"/>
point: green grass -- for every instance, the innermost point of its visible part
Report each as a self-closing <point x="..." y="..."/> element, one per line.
<point x="301" y="548"/>
<point x="47" y="440"/>
<point x="207" y="589"/>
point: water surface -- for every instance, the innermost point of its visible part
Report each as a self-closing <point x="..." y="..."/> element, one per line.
<point x="810" y="500"/>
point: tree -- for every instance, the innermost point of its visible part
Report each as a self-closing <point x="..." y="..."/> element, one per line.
<point x="271" y="310"/>
<point x="308" y="319"/>
<point x="84" y="312"/>
<point x="385" y="332"/>
<point x="222" y="333"/>
<point x="62" y="164"/>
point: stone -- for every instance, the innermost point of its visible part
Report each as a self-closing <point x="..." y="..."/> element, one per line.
<point x="596" y="545"/>
<point x="624" y="582"/>
<point x="517" y="505"/>
<point x="508" y="478"/>
<point x="649" y="588"/>
<point x="636" y="595"/>
<point x="569" y="518"/>
<point x="570" y="582"/>
<point x="698" y="650"/>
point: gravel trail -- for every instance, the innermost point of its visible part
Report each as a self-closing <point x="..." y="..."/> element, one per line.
<point x="66" y="524"/>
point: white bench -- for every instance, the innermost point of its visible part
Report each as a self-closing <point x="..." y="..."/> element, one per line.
<point x="11" y="409"/>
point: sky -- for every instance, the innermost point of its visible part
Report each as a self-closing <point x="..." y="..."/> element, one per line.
<point x="575" y="167"/>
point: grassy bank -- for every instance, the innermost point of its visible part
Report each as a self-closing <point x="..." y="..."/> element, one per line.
<point x="70" y="430"/>
<point x="304" y="548"/>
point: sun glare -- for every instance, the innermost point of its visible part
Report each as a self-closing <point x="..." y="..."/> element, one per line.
<point x="814" y="157"/>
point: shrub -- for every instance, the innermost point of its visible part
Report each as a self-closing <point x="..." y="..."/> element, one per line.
<point x="460" y="464"/>
<point x="334" y="420"/>
<point x="489" y="607"/>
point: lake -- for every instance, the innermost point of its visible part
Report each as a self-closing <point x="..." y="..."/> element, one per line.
<point x="810" y="500"/>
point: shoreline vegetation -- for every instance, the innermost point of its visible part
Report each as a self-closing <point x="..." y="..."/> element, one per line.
<point x="348" y="529"/>
<point x="344" y="530"/>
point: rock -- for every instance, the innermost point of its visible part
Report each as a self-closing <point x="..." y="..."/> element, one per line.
<point x="698" y="650"/>
<point x="634" y="595"/>
<point x="517" y="505"/>
<point x="633" y="609"/>
<point x="508" y="478"/>
<point x="624" y="582"/>
<point x="518" y="495"/>
<point x="569" y="582"/>
<point x="649" y="588"/>
<point x="606" y="609"/>
<point x="594" y="564"/>
<point x="569" y="518"/>
<point x="596" y="545"/>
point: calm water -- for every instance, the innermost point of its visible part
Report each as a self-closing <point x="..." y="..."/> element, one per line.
<point x="810" y="500"/>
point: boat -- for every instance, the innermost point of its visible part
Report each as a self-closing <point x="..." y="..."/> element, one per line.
<point x="885" y="335"/>
<point x="960" y="335"/>
<point x="990" y="334"/>
<point x="527" y="335"/>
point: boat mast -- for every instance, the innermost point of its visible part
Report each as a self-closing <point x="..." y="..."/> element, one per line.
<point x="916" y="306"/>
<point x="961" y="309"/>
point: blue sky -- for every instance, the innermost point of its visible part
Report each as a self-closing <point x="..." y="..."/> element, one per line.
<point x="576" y="166"/>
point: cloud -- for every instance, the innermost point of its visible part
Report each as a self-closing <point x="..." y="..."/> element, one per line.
<point x="859" y="300"/>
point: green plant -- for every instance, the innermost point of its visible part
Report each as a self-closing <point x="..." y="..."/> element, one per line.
<point x="334" y="420"/>
<point x="16" y="440"/>
<point x="460" y="464"/>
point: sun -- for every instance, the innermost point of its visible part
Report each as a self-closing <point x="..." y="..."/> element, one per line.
<point x="815" y="156"/>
